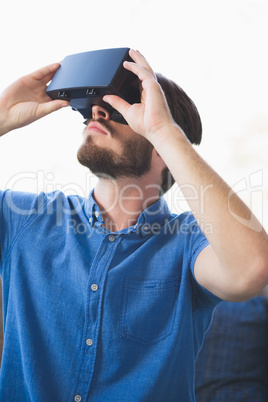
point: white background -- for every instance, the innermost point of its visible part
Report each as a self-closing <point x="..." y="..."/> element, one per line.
<point x="215" y="50"/>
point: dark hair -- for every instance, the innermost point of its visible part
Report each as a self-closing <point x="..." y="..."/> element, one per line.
<point x="185" y="114"/>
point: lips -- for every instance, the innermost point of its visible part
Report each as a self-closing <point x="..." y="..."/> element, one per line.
<point x="96" y="128"/>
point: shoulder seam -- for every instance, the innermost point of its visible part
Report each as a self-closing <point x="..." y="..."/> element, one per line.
<point x="28" y="223"/>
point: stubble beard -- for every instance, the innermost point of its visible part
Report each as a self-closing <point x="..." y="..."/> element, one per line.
<point x="134" y="159"/>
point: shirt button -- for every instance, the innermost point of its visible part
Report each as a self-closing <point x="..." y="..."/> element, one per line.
<point x="77" y="398"/>
<point x="89" y="342"/>
<point x="97" y="214"/>
<point x="94" y="287"/>
<point x="111" y="238"/>
<point x="90" y="220"/>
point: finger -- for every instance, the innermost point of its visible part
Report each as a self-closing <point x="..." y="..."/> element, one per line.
<point x="45" y="73"/>
<point x="138" y="70"/>
<point x="138" y="58"/>
<point x="49" y="107"/>
<point x="117" y="103"/>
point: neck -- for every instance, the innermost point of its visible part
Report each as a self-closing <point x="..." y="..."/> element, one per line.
<point x="122" y="201"/>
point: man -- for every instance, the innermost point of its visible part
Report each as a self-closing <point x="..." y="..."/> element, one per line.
<point x="117" y="311"/>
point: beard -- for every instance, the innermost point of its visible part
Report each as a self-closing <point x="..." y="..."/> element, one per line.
<point x="134" y="159"/>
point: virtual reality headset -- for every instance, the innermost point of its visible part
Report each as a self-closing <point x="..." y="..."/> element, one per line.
<point x="84" y="78"/>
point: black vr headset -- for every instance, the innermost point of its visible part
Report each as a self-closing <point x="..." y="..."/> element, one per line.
<point x="84" y="78"/>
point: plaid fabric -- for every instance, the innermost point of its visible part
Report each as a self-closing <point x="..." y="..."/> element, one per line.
<point x="233" y="362"/>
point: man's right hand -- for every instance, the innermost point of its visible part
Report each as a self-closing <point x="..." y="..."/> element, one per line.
<point x="26" y="100"/>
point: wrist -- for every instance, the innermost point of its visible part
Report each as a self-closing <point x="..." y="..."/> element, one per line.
<point x="167" y="134"/>
<point x="3" y="129"/>
<point x="3" y="118"/>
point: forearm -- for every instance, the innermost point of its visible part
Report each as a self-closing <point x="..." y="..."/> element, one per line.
<point x="235" y="234"/>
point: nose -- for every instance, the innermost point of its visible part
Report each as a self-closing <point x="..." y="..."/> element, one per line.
<point x="99" y="112"/>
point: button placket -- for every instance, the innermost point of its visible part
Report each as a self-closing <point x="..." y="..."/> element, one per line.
<point x="98" y="272"/>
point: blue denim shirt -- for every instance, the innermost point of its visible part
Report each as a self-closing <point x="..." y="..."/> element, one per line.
<point x="91" y="315"/>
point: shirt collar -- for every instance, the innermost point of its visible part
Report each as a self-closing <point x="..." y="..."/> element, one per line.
<point x="151" y="218"/>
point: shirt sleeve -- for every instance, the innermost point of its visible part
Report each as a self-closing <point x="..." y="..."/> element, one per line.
<point x="197" y="241"/>
<point x="17" y="209"/>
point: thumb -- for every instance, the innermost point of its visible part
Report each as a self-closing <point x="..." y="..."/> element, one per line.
<point x="49" y="107"/>
<point x="117" y="103"/>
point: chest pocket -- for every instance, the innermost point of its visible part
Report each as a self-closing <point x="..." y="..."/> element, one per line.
<point x="148" y="309"/>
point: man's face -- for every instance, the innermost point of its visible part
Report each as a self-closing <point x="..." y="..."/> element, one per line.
<point x="112" y="149"/>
